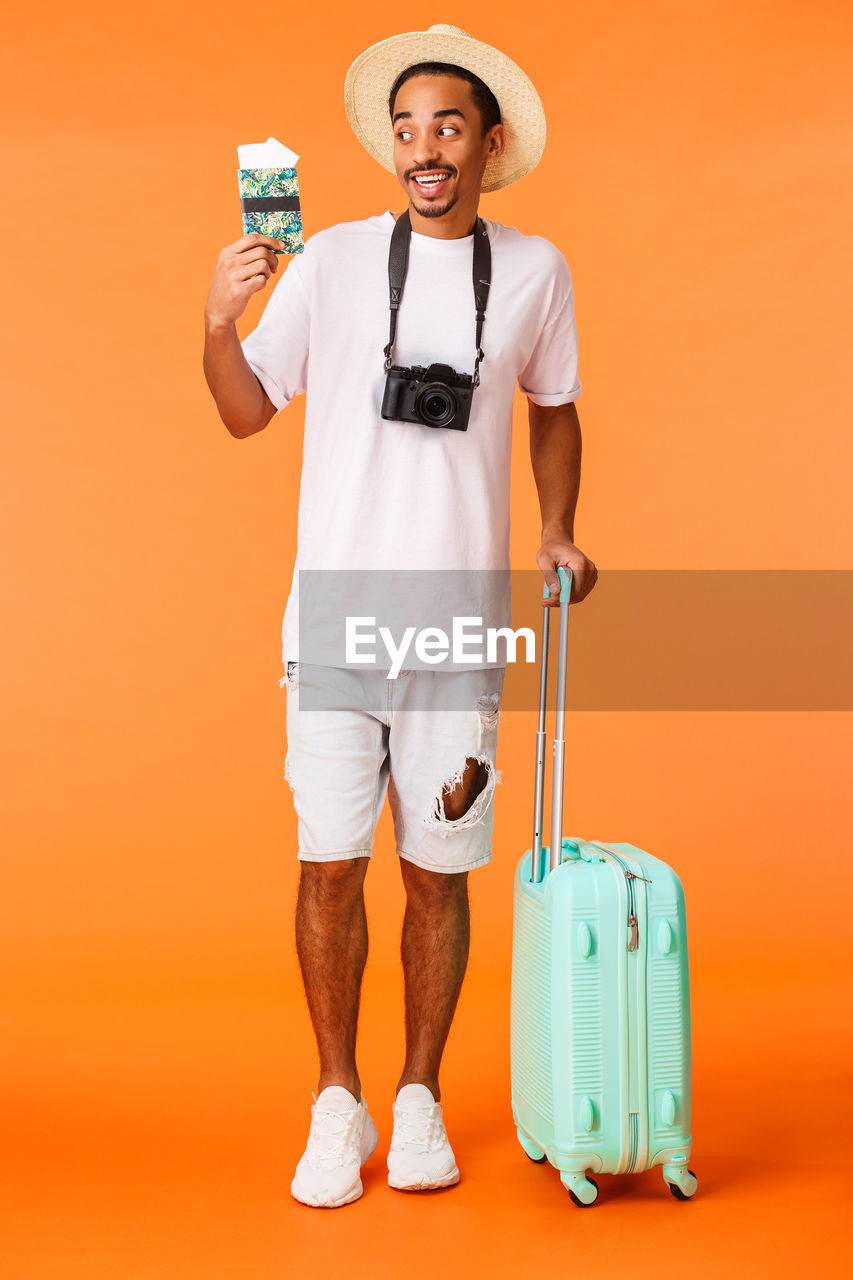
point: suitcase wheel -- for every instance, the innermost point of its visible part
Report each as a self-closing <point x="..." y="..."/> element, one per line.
<point x="583" y="1190"/>
<point x="686" y="1185"/>
<point x="529" y="1147"/>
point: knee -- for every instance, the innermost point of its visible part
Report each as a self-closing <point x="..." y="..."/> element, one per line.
<point x="459" y="798"/>
<point x="463" y="799"/>
<point x="330" y="882"/>
<point x="433" y="888"/>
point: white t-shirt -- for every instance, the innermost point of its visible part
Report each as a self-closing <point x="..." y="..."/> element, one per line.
<point x="387" y="495"/>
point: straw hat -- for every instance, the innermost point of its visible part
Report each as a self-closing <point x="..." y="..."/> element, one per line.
<point x="372" y="75"/>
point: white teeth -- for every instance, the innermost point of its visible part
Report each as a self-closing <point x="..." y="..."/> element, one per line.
<point x="428" y="182"/>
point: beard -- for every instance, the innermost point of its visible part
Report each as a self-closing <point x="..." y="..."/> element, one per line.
<point x="433" y="209"/>
<point x="436" y="210"/>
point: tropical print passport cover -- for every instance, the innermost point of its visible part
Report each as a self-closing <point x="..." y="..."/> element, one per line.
<point x="269" y="199"/>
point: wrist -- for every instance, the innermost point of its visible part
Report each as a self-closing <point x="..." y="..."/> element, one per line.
<point x="216" y="325"/>
<point x="557" y="532"/>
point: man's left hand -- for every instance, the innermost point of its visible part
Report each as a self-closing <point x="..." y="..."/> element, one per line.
<point x="561" y="551"/>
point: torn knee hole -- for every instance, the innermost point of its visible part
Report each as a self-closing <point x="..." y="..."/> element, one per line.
<point x="459" y="798"/>
<point x="463" y="799"/>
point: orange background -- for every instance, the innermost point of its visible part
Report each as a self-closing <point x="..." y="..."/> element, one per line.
<point x="157" y="1055"/>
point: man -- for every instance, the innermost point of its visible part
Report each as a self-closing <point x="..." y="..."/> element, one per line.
<point x="451" y="117"/>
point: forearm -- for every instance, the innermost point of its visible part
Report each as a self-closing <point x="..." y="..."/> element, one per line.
<point x="555" y="454"/>
<point x="239" y="396"/>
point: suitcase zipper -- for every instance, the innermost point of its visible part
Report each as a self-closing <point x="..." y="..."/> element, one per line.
<point x="633" y="942"/>
<point x="630" y="876"/>
<point x="634" y="1137"/>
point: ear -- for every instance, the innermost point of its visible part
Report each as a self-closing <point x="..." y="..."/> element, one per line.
<point x="496" y="141"/>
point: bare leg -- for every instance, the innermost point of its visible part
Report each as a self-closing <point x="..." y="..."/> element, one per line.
<point x="434" y="947"/>
<point x="434" y="950"/>
<point x="331" y="941"/>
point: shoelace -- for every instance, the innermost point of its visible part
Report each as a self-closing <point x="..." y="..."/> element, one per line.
<point x="332" y="1137"/>
<point x="418" y="1126"/>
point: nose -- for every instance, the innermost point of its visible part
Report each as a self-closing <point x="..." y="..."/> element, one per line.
<point x="426" y="153"/>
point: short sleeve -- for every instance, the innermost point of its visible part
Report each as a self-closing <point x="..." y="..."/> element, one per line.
<point x="550" y="376"/>
<point x="277" y="348"/>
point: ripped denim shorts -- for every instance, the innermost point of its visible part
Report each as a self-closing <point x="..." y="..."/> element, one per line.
<point x="359" y="736"/>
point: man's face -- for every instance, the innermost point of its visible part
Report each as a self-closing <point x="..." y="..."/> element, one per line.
<point x="439" y="149"/>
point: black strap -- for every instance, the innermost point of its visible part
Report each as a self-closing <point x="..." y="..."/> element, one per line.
<point x="398" y="266"/>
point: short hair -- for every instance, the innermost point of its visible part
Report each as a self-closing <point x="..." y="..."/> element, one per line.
<point x="486" y="102"/>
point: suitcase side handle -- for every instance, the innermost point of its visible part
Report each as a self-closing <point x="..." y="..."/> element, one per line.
<point x="537" y="871"/>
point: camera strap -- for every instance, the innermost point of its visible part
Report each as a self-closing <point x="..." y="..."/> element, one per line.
<point x="398" y="266"/>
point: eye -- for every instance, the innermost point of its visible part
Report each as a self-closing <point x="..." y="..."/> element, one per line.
<point x="403" y="134"/>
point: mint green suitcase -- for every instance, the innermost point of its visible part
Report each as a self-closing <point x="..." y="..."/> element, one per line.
<point x="600" y="1009"/>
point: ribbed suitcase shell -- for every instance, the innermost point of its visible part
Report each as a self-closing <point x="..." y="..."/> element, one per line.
<point x="600" y="1035"/>
<point x="600" y="1009"/>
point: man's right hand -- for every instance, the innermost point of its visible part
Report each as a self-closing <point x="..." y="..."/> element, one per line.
<point x="242" y="268"/>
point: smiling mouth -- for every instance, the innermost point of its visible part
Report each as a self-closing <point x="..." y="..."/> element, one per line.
<point x="430" y="181"/>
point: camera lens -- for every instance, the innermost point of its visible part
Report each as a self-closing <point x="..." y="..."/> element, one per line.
<point x="436" y="404"/>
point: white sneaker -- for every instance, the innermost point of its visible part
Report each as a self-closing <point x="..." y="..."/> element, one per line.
<point x="342" y="1137"/>
<point x="420" y="1157"/>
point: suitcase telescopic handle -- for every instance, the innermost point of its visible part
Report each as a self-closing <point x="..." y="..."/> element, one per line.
<point x="538" y="870"/>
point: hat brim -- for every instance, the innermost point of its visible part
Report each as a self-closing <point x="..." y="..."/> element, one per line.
<point x="372" y="75"/>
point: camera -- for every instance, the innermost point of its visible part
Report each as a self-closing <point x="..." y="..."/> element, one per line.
<point x="434" y="396"/>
